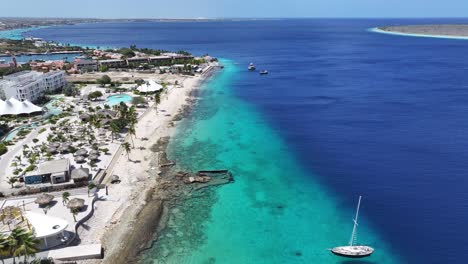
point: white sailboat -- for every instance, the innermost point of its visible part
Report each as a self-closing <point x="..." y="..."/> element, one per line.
<point x="353" y="250"/>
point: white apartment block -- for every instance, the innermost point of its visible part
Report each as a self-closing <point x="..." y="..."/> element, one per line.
<point x="30" y="85"/>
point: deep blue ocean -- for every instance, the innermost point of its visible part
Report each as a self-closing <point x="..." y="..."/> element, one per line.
<point x="360" y="113"/>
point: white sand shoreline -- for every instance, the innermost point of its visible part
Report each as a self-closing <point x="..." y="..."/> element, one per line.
<point x="397" y="33"/>
<point x="114" y="212"/>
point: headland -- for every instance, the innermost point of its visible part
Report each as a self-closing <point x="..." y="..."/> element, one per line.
<point x="453" y="31"/>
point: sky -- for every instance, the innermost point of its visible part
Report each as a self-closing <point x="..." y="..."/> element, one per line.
<point x="233" y="8"/>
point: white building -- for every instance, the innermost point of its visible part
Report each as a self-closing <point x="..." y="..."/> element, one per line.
<point x="30" y="85"/>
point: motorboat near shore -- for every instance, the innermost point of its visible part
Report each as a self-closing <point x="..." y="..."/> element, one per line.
<point x="251" y="67"/>
<point x="353" y="250"/>
<point x="264" y="72"/>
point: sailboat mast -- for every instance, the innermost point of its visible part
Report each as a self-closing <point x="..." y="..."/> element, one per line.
<point x="355" y="220"/>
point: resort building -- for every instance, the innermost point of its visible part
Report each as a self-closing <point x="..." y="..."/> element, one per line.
<point x="137" y="60"/>
<point x="54" y="172"/>
<point x="48" y="229"/>
<point x="83" y="66"/>
<point x="47" y="66"/>
<point x="160" y="59"/>
<point x="30" y="85"/>
<point x="112" y="63"/>
<point x="177" y="56"/>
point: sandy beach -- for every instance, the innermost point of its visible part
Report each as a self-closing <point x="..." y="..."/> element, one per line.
<point x="115" y="215"/>
<point x="125" y="220"/>
<point x="443" y="30"/>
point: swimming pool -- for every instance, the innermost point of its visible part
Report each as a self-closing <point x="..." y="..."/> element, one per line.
<point x="52" y="107"/>
<point x="12" y="134"/>
<point x="118" y="98"/>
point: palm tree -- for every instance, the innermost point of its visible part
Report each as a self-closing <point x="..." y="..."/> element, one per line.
<point x="74" y="212"/>
<point x="4" y="248"/>
<point x="11" y="181"/>
<point x="132" y="115"/>
<point x="132" y="132"/>
<point x="91" y="185"/>
<point x="18" y="158"/>
<point x="28" y="245"/>
<point x="65" y="198"/>
<point x="114" y="129"/>
<point x="126" y="146"/>
<point x="13" y="242"/>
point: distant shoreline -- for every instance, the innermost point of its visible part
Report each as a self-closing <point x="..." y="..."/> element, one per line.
<point x="448" y="31"/>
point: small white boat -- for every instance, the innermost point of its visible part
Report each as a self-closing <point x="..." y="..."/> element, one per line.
<point x="251" y="67"/>
<point x="353" y="250"/>
<point x="264" y="72"/>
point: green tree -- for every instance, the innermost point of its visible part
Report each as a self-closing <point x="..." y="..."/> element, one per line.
<point x="28" y="245"/>
<point x="65" y="197"/>
<point x="4" y="248"/>
<point x="74" y="212"/>
<point x="132" y="133"/>
<point x="129" y="53"/>
<point x="105" y="150"/>
<point x="11" y="181"/>
<point x="115" y="128"/>
<point x="21" y="242"/>
<point x="105" y="79"/>
<point x="18" y="158"/>
<point x="94" y="95"/>
<point x="91" y="185"/>
<point x="3" y="148"/>
<point x="128" y="148"/>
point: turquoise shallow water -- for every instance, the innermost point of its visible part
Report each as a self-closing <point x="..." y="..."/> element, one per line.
<point x="273" y="213"/>
<point x="19" y="33"/>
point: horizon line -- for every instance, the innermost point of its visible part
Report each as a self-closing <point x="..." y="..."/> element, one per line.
<point x="224" y="18"/>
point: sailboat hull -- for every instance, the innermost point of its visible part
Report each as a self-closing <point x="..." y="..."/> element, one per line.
<point x="353" y="251"/>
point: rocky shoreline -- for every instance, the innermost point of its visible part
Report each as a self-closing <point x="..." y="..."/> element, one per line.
<point x="148" y="212"/>
<point x="169" y="188"/>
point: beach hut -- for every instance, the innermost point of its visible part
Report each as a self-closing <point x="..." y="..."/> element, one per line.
<point x="80" y="174"/>
<point x="44" y="199"/>
<point x="76" y="203"/>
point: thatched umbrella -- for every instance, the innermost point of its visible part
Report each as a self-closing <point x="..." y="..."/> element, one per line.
<point x="85" y="117"/>
<point x="55" y="144"/>
<point x="80" y="173"/>
<point x="44" y="199"/>
<point x="51" y="150"/>
<point x="94" y="152"/>
<point x="93" y="157"/>
<point x="79" y="159"/>
<point x="63" y="149"/>
<point x="76" y="203"/>
<point x="81" y="152"/>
